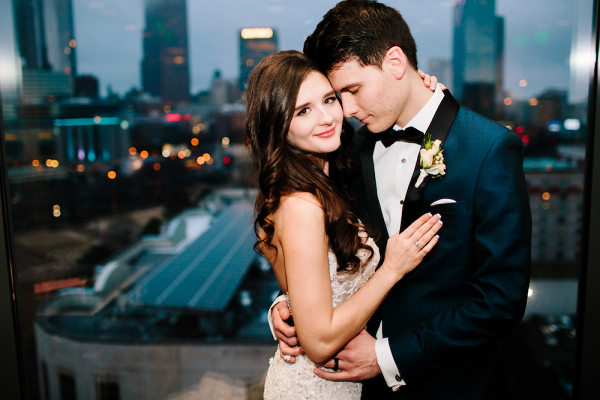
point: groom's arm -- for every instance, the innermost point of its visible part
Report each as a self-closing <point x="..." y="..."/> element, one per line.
<point x="498" y="287"/>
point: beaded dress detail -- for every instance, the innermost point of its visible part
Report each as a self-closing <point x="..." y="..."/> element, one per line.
<point x="297" y="381"/>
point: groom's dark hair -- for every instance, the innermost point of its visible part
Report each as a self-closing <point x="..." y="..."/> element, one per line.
<point x="361" y="30"/>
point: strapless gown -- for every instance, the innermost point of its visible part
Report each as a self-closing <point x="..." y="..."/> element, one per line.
<point x="297" y="381"/>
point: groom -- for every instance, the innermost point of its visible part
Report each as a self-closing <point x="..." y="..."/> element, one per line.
<point x="435" y="334"/>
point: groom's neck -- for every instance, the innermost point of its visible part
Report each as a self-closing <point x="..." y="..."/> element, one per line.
<point x="417" y="95"/>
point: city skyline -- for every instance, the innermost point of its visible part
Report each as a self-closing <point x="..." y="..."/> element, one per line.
<point x="538" y="39"/>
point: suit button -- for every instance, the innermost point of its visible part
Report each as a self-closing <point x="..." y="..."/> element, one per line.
<point x="401" y="201"/>
<point x="398" y="379"/>
<point x="404" y="160"/>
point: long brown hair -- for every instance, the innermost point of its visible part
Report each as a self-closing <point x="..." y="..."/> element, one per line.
<point x="283" y="168"/>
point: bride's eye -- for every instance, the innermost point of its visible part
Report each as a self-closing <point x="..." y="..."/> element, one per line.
<point x="330" y="100"/>
<point x="304" y="111"/>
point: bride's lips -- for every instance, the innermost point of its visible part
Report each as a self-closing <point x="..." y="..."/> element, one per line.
<point x="327" y="133"/>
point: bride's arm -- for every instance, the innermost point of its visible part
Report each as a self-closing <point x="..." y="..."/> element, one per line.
<point x="300" y="232"/>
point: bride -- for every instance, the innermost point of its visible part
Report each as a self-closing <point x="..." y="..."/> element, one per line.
<point x="322" y="257"/>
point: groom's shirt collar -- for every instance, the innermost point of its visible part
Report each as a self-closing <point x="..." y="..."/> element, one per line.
<point x="422" y="120"/>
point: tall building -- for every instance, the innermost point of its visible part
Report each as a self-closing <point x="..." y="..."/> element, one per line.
<point x="165" y="66"/>
<point x="46" y="46"/>
<point x="478" y="55"/>
<point x="255" y="44"/>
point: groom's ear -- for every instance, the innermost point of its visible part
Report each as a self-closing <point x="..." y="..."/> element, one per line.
<point x="395" y="60"/>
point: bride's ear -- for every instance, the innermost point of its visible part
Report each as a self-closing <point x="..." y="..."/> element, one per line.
<point x="396" y="62"/>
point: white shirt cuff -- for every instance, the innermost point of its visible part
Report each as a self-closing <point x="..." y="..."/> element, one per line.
<point x="270" y="314"/>
<point x="386" y="362"/>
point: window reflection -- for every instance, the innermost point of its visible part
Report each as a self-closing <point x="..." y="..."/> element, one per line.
<point x="131" y="188"/>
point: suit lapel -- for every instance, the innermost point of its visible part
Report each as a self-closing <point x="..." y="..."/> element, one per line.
<point x="438" y="129"/>
<point x="368" y="171"/>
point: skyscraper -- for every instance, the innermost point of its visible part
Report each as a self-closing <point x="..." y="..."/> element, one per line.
<point x="478" y="55"/>
<point x="165" y="66"/>
<point x="255" y="44"/>
<point x="46" y="46"/>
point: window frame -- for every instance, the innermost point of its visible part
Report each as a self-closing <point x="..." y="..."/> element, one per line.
<point x="587" y="386"/>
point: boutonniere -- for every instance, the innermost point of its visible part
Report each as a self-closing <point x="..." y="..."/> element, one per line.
<point x="432" y="161"/>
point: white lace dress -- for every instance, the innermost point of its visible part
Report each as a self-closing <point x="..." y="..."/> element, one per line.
<point x="297" y="381"/>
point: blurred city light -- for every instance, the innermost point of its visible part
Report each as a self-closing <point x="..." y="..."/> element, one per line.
<point x="554" y="126"/>
<point x="35" y="163"/>
<point x="522" y="83"/>
<point x="173" y="117"/>
<point x="156" y="166"/>
<point x="572" y="124"/>
<point x="112" y="175"/>
<point x="226" y="160"/>
<point x="200" y="160"/>
<point x="206" y="156"/>
<point x="195" y="142"/>
<point x="132" y="150"/>
<point x="81" y="168"/>
<point x="533" y="101"/>
<point x="257" y="33"/>
<point x="225" y="142"/>
<point x="546" y="196"/>
<point x="507" y="101"/>
<point x="144" y="154"/>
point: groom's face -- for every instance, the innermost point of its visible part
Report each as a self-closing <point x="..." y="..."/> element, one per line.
<point x="367" y="94"/>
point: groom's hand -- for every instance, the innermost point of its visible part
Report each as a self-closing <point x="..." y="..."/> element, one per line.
<point x="357" y="361"/>
<point x="286" y="334"/>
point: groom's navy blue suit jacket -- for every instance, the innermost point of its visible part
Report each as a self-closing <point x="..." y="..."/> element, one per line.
<point x="444" y="318"/>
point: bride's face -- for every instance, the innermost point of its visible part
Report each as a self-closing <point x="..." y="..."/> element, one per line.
<point x="317" y="122"/>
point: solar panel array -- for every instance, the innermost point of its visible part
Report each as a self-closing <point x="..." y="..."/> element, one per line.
<point x="207" y="273"/>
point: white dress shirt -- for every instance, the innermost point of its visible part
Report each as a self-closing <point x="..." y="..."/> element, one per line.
<point x="400" y="157"/>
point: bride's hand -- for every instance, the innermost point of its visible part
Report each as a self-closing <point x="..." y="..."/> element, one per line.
<point x="406" y="250"/>
<point x="430" y="81"/>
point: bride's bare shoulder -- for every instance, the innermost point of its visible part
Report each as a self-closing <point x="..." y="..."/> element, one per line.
<point x="298" y="208"/>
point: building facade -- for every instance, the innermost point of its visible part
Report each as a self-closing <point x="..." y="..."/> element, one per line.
<point x="165" y="66"/>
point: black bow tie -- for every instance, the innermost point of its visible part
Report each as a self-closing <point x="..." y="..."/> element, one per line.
<point x="391" y="136"/>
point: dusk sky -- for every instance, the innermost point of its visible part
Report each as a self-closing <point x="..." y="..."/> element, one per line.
<point x="537" y="42"/>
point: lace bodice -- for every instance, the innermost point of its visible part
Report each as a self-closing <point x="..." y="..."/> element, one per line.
<point x="297" y="381"/>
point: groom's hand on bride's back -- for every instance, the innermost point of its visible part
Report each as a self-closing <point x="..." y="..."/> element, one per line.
<point x="286" y="334"/>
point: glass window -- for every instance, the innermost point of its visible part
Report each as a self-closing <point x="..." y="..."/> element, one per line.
<point x="131" y="189"/>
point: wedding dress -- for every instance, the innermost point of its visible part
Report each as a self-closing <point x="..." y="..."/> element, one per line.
<point x="297" y="381"/>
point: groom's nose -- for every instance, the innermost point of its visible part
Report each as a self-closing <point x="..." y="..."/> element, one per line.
<point x="349" y="105"/>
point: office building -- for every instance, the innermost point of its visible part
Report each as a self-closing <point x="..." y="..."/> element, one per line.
<point x="478" y="55"/>
<point x="46" y="46"/>
<point x="255" y="44"/>
<point x="165" y="66"/>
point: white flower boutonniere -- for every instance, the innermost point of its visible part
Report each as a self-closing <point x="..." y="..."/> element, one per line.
<point x="432" y="161"/>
